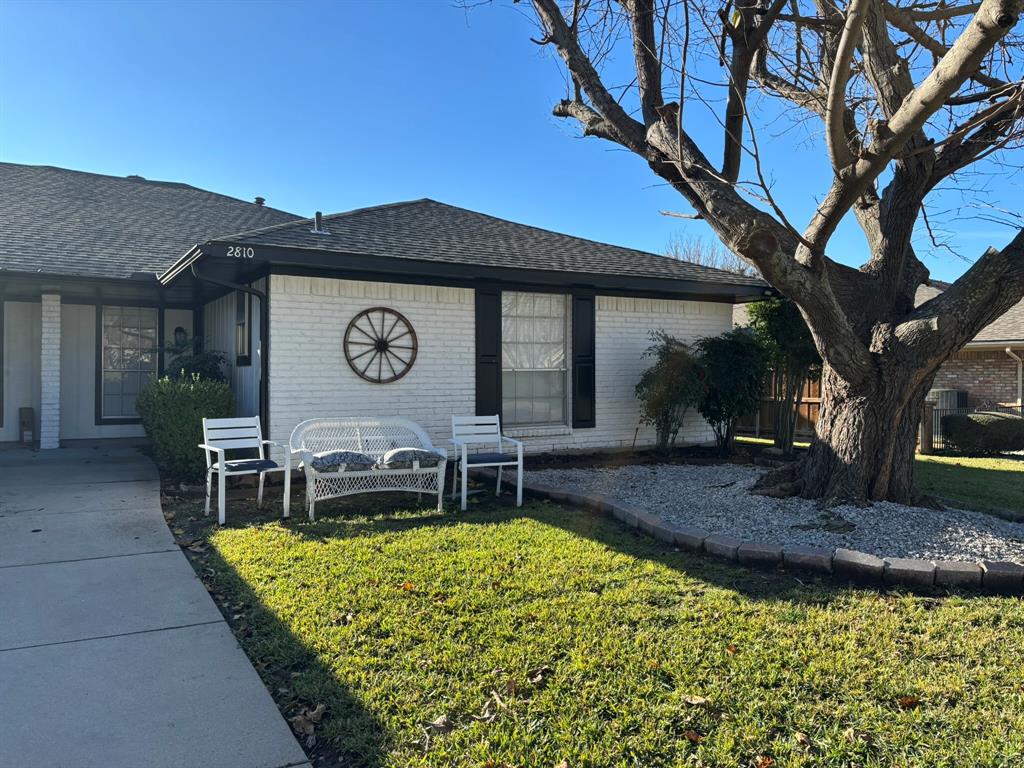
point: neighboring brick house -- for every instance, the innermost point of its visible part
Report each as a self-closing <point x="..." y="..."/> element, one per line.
<point x="989" y="367"/>
<point x="100" y="277"/>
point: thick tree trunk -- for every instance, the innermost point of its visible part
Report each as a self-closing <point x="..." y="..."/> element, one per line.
<point x="865" y="440"/>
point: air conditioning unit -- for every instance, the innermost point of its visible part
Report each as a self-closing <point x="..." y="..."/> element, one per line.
<point x="947" y="399"/>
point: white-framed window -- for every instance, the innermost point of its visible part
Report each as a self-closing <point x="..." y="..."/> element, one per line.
<point x="128" y="356"/>
<point x="534" y="358"/>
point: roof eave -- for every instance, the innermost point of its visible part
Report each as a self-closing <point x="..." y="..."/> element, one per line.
<point x="342" y="262"/>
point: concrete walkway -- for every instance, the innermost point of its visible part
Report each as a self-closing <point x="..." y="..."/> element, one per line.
<point x="111" y="651"/>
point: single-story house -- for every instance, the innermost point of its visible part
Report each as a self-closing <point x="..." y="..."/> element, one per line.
<point x="418" y="309"/>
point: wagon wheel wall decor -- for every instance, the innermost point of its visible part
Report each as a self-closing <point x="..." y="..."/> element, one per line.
<point x="380" y="345"/>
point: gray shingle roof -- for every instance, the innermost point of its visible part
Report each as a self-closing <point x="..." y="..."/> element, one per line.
<point x="63" y="222"/>
<point x="427" y="230"/>
<point x="1007" y="327"/>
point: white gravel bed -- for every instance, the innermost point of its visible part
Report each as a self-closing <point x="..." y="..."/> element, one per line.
<point x="717" y="499"/>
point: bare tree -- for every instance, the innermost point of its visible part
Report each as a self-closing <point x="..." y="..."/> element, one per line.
<point x="707" y="253"/>
<point x="908" y="95"/>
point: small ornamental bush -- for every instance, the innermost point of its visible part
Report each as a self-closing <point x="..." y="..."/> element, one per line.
<point x="669" y="388"/>
<point x="205" y="365"/>
<point x="735" y="366"/>
<point x="172" y="412"/>
<point x="984" y="433"/>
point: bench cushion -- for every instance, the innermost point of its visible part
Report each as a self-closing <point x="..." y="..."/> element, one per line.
<point x="491" y="458"/>
<point x="250" y="465"/>
<point x="331" y="461"/>
<point x="402" y="458"/>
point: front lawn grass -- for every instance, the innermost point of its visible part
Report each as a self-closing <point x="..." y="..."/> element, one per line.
<point x="984" y="483"/>
<point x="980" y="483"/>
<point x="549" y="636"/>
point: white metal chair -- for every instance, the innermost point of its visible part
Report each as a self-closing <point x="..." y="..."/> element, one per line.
<point x="484" y="431"/>
<point x="244" y="433"/>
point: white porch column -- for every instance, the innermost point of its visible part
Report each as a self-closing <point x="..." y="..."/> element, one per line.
<point x="49" y="373"/>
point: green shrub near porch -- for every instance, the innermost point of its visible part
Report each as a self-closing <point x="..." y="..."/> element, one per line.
<point x="172" y="412"/>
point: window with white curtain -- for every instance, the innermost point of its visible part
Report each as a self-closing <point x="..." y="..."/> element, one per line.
<point x="533" y="358"/>
<point x="129" y="358"/>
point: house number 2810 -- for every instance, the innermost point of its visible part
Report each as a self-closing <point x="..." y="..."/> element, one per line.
<point x="241" y="251"/>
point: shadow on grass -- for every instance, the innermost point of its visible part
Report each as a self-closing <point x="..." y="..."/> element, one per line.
<point x="373" y="515"/>
<point x="298" y="681"/>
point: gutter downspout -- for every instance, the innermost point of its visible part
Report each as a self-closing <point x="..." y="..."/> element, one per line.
<point x="1020" y="374"/>
<point x="264" y="339"/>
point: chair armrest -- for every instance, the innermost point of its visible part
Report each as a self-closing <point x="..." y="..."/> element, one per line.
<point x="457" y="442"/>
<point x="515" y="442"/>
<point x="220" y="457"/>
<point x="275" y="444"/>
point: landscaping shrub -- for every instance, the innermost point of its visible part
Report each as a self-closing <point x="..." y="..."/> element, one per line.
<point x="734" y="365"/>
<point x="669" y="388"/>
<point x="172" y="412"/>
<point x="205" y="365"/>
<point x="984" y="433"/>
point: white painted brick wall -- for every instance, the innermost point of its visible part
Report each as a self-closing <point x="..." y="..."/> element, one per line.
<point x="309" y="376"/>
<point x="49" y="367"/>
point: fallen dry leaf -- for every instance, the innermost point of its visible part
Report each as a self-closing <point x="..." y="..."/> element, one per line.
<point x="802" y="738"/>
<point x="696" y="701"/>
<point x="693" y="736"/>
<point x="908" y="702"/>
<point x="539" y="675"/>
<point x="731" y="648"/>
<point x="563" y="764"/>
<point x="763" y="761"/>
<point x="443" y="724"/>
<point x="408" y="586"/>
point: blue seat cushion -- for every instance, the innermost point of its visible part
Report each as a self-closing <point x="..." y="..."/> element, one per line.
<point x="491" y="458"/>
<point x="403" y="458"/>
<point x="251" y="465"/>
<point x="332" y="461"/>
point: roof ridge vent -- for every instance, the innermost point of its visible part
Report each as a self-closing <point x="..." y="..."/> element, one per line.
<point x="135" y="177"/>
<point x="318" y="224"/>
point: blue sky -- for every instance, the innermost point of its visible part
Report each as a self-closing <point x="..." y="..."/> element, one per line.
<point x="332" y="106"/>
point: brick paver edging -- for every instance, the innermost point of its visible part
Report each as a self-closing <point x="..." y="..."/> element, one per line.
<point x="845" y="564"/>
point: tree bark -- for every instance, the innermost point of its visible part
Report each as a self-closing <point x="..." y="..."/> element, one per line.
<point x="866" y="435"/>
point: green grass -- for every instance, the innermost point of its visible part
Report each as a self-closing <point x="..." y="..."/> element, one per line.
<point x="394" y="619"/>
<point x="983" y="483"/>
<point x="978" y="483"/>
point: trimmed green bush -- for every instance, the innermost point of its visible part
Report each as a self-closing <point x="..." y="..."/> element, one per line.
<point x="734" y="366"/>
<point x="669" y="388"/>
<point x="984" y="433"/>
<point x="172" y="412"/>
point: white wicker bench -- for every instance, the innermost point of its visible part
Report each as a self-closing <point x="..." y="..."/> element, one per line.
<point x="373" y="437"/>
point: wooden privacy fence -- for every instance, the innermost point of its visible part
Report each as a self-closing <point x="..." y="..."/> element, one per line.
<point x="762" y="423"/>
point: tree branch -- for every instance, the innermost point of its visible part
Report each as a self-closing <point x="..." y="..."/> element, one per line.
<point x="629" y="130"/>
<point x="648" y="67"/>
<point x="992" y="22"/>
<point x="835" y="106"/>
<point x="990" y="287"/>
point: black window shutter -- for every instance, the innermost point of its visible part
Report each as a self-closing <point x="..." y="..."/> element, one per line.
<point x="488" y="352"/>
<point x="584" y="405"/>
